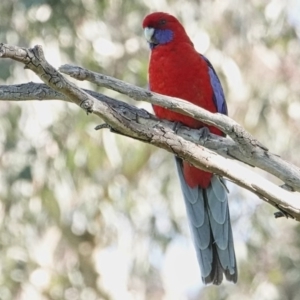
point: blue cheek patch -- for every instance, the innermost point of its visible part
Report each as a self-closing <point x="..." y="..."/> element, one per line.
<point x="161" y="36"/>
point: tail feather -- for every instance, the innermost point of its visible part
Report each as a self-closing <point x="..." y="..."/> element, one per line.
<point x="209" y="218"/>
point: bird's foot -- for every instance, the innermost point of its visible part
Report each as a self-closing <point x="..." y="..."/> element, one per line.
<point x="204" y="133"/>
<point x="176" y="126"/>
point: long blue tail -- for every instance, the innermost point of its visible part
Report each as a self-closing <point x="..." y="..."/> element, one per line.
<point x="209" y="219"/>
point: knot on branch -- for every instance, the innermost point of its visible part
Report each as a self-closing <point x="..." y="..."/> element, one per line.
<point x="38" y="52"/>
<point x="87" y="105"/>
<point x="247" y="142"/>
<point x="35" y="56"/>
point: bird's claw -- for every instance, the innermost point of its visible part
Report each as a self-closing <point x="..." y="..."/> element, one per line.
<point x="204" y="133"/>
<point x="87" y="105"/>
<point x="176" y="126"/>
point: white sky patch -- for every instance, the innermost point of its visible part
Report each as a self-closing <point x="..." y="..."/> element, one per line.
<point x="273" y="9"/>
<point x="180" y="271"/>
<point x="40" y="278"/>
<point x="43" y="13"/>
<point x="132" y="45"/>
<point x="90" y="30"/>
<point x="113" y="267"/>
<point x="158" y="5"/>
<point x="201" y="41"/>
<point x="43" y="253"/>
<point x="111" y="148"/>
<point x="38" y="115"/>
<point x="30" y="292"/>
<point x="269" y="58"/>
<point x="266" y="291"/>
<point x="294" y="15"/>
<point x="293" y="110"/>
<point x="106" y="47"/>
<point x="65" y="37"/>
<point x="12" y="37"/>
<point x="234" y="79"/>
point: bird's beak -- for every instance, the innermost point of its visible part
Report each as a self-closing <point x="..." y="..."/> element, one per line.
<point x="149" y="32"/>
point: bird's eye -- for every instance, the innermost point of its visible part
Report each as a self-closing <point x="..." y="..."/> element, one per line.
<point x="162" y="22"/>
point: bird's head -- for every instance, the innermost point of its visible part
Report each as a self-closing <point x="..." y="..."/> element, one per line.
<point x="161" y="28"/>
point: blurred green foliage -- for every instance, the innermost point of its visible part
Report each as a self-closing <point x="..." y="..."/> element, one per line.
<point x="92" y="215"/>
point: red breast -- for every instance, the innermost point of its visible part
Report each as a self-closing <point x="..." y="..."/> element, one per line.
<point x="179" y="71"/>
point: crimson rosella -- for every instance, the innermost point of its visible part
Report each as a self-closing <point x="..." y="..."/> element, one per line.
<point x="177" y="69"/>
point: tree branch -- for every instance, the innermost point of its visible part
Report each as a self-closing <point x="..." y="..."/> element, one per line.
<point x="143" y="126"/>
<point x="247" y="149"/>
<point x="266" y="161"/>
<point x="245" y="140"/>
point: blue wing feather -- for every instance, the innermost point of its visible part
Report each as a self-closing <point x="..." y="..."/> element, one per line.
<point x="218" y="97"/>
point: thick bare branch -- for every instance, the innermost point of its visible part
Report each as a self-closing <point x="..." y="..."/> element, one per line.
<point x="34" y="59"/>
<point x="248" y="149"/>
<point x="266" y="161"/>
<point x="248" y="144"/>
<point x="141" y="125"/>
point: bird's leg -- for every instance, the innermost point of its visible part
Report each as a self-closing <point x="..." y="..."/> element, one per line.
<point x="176" y="126"/>
<point x="204" y="133"/>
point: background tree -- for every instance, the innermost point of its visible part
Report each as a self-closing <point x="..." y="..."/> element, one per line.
<point x="88" y="215"/>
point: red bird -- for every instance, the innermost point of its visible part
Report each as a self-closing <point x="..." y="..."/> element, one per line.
<point x="176" y="69"/>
